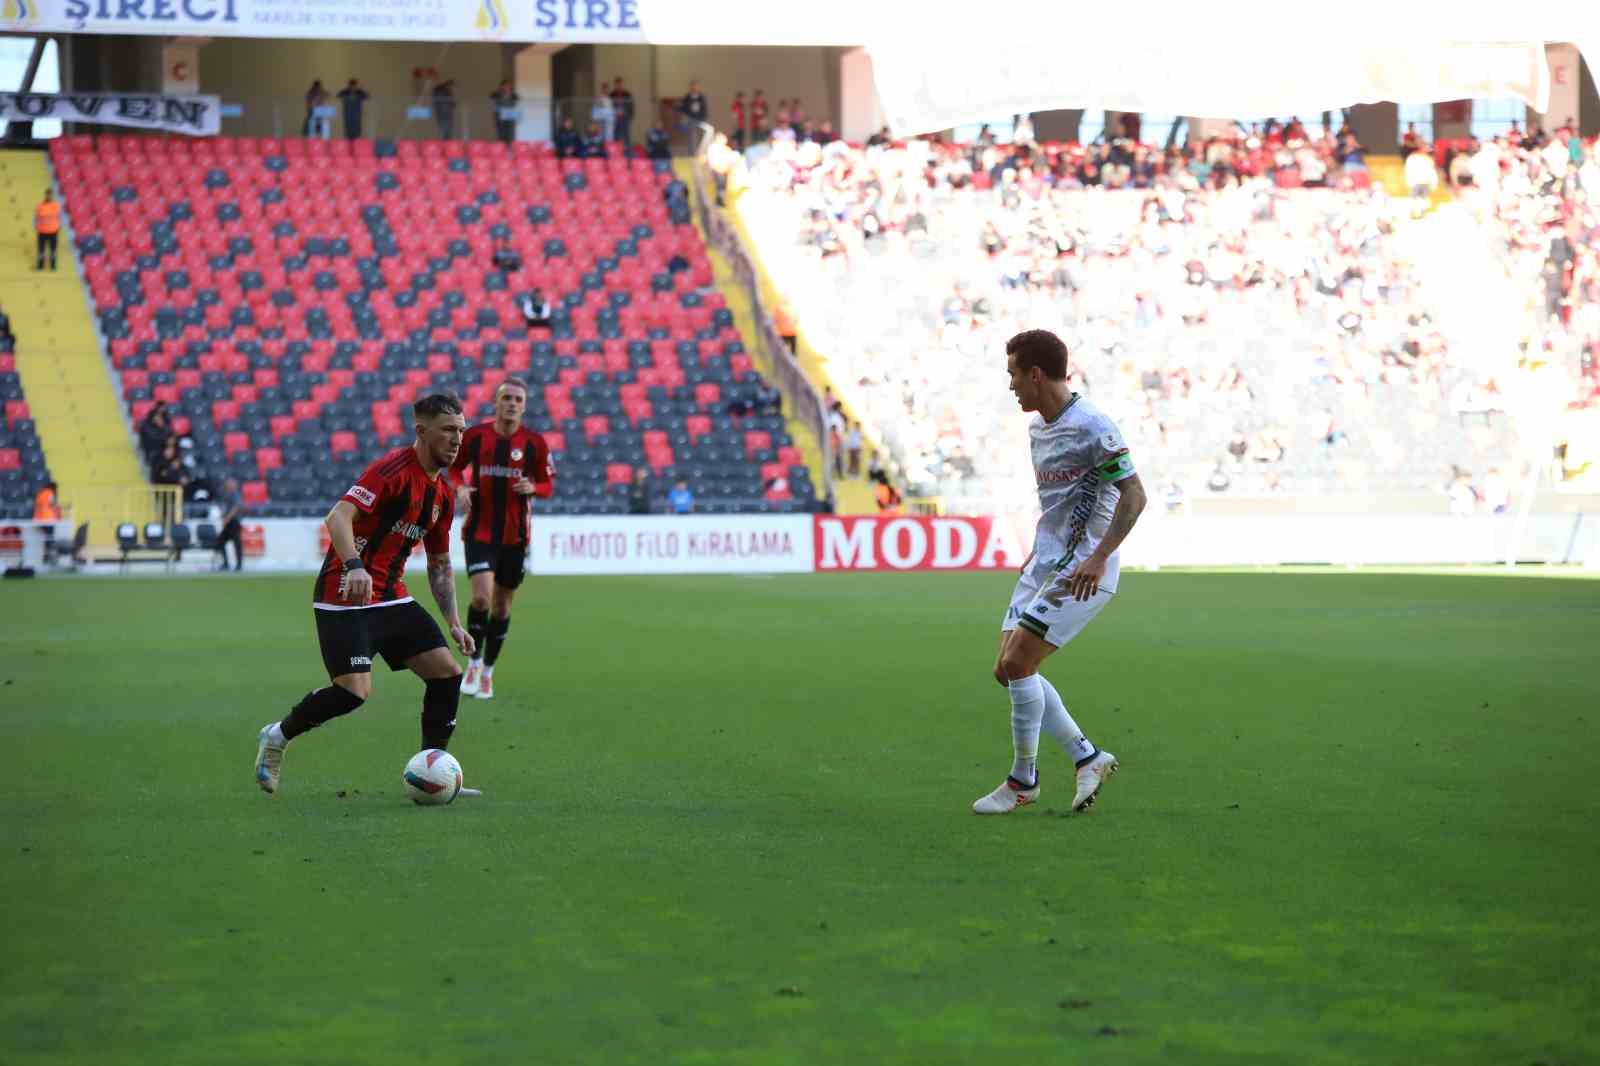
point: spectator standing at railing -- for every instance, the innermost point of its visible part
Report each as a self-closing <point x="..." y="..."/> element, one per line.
<point x="758" y="117"/>
<point x="444" y="108"/>
<point x="504" y="100"/>
<point x="693" y="109"/>
<point x="352" y="100"/>
<point x="316" y="97"/>
<point x="622" y="108"/>
<point x="603" y="113"/>
<point x="852" y="449"/>
<point x="47" y="225"/>
<point x="741" y="120"/>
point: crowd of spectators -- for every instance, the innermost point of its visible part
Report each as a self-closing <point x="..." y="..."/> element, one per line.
<point x="1250" y="307"/>
<point x="1538" y="193"/>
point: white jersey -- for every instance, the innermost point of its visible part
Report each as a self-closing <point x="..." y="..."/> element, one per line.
<point x="1077" y="461"/>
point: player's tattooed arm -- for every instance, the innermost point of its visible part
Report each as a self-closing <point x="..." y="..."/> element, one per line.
<point x="442" y="580"/>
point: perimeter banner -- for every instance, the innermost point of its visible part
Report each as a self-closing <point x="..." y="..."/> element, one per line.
<point x="197" y="115"/>
<point x="598" y="21"/>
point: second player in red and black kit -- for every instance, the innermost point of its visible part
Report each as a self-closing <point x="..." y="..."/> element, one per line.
<point x="360" y="599"/>
<point x="510" y="465"/>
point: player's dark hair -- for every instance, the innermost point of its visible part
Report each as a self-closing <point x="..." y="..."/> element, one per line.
<point x="1040" y="348"/>
<point x="440" y="403"/>
<point x="515" y="383"/>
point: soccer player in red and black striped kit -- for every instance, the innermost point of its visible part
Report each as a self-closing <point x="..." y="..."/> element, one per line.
<point x="511" y="465"/>
<point x="360" y="601"/>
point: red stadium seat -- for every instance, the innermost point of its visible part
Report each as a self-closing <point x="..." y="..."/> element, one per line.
<point x="10" y="459"/>
<point x="17" y="411"/>
<point x="234" y="443"/>
<point x="269" y="459"/>
<point x="254" y="492"/>
<point x="343" y="443"/>
<point x="282" y="426"/>
<point x="618" y="474"/>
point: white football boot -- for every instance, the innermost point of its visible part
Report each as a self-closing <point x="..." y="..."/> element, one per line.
<point x="1008" y="797"/>
<point x="485" y="686"/>
<point x="1092" y="776"/>
<point x="269" y="759"/>
<point x="469" y="682"/>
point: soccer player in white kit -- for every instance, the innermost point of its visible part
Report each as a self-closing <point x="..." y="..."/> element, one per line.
<point x="1090" y="498"/>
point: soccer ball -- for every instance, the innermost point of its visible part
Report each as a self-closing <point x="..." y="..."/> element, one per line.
<point x="433" y="777"/>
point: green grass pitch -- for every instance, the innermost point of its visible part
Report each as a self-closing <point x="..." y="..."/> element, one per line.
<point x="727" y="821"/>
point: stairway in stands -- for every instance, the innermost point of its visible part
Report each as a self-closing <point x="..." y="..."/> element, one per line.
<point x="68" y="393"/>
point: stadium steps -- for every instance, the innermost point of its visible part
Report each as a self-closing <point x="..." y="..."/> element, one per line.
<point x="803" y="433"/>
<point x="1389" y="171"/>
<point x="79" y="415"/>
<point x="851" y="496"/>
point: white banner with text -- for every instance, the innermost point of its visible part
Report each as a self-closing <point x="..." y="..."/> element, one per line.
<point x="675" y="544"/>
<point x="197" y="115"/>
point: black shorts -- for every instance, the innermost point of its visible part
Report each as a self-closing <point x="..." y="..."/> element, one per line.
<point x="397" y="632"/>
<point x="508" y="561"/>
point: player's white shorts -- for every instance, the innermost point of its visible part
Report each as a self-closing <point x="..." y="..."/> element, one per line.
<point x="1050" y="612"/>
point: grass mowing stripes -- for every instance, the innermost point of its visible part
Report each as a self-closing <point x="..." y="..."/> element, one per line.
<point x="727" y="820"/>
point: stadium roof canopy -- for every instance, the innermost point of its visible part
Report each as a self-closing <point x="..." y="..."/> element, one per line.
<point x="1241" y="59"/>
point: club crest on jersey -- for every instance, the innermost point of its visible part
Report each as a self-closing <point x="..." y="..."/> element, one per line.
<point x="435" y="517"/>
<point x="516" y="455"/>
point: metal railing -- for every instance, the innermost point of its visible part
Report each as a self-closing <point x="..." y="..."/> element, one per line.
<point x="425" y="117"/>
<point x="805" y="400"/>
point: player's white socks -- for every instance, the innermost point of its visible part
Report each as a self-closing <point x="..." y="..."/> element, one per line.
<point x="275" y="735"/>
<point x="1027" y="709"/>
<point x="488" y="672"/>
<point x="1058" y="723"/>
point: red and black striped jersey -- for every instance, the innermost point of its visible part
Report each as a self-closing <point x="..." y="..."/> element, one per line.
<point x="397" y="504"/>
<point x="497" y="515"/>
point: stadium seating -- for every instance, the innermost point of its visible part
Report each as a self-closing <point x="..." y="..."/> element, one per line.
<point x="290" y="298"/>
<point x="22" y="465"/>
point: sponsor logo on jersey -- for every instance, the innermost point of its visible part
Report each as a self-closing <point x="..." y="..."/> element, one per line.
<point x="500" y="471"/>
<point x="362" y="494"/>
<point x="360" y="660"/>
<point x="410" y="530"/>
<point x="1057" y="477"/>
